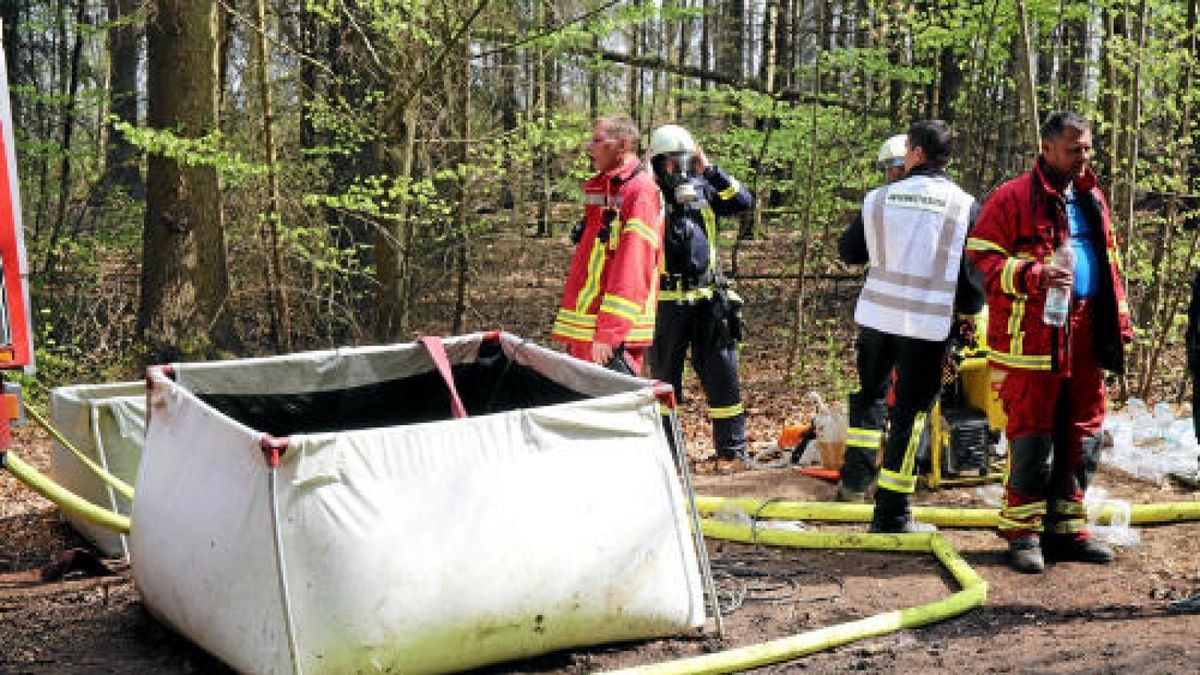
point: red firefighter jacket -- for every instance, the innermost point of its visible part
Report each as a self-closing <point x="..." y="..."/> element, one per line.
<point x="610" y="292"/>
<point x="1019" y="228"/>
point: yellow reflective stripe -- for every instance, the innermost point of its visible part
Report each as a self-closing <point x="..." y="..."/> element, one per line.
<point x="710" y="231"/>
<point x="686" y="296"/>
<point x="1123" y="306"/>
<point x="591" y="288"/>
<point x="726" y="412"/>
<point x="1073" y="526"/>
<point x="1025" y="510"/>
<point x="622" y="307"/>
<point x="1115" y="257"/>
<point x="573" y="325"/>
<point x="640" y="335"/>
<point x="642" y="230"/>
<point x="731" y="191"/>
<point x="1069" y="508"/>
<point x="863" y="438"/>
<point x="664" y="410"/>
<point x="1003" y="523"/>
<point x="567" y="331"/>
<point x="577" y="318"/>
<point x="890" y="480"/>
<point x="614" y="238"/>
<point x="1015" y="317"/>
<point x="1008" y="280"/>
<point x="908" y="467"/>
<point x="1019" y="361"/>
<point x="974" y="244"/>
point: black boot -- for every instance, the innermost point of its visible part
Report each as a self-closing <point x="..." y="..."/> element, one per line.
<point x="892" y="515"/>
<point x="1025" y="555"/>
<point x="856" y="475"/>
<point x="1068" y="549"/>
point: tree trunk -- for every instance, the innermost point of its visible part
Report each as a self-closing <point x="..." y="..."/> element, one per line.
<point x="1134" y="120"/>
<point x="769" y="56"/>
<point x="793" y="351"/>
<point x="10" y="15"/>
<point x="1077" y="38"/>
<point x="1108" y="152"/>
<point x="277" y="300"/>
<point x="898" y="58"/>
<point x="593" y="85"/>
<point x="122" y="159"/>
<point x="310" y="39"/>
<point x="393" y="245"/>
<point x="1028" y="81"/>
<point x="1163" y="301"/>
<point x="731" y="55"/>
<point x="185" y="280"/>
<point x="950" y="80"/>
<point x="66" y="137"/>
<point x="541" y="157"/>
<point x="462" y="235"/>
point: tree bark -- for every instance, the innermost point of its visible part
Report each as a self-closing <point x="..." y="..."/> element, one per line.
<point x="66" y="138"/>
<point x="122" y="159"/>
<point x="1028" y="81"/>
<point x="393" y="245"/>
<point x="10" y="16"/>
<point x="277" y="300"/>
<point x="462" y="237"/>
<point x="185" y="281"/>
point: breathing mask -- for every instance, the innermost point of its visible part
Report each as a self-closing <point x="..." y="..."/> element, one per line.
<point x="673" y="171"/>
<point x="671" y="151"/>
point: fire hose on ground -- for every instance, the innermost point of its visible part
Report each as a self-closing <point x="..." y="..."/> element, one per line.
<point x="972" y="592"/>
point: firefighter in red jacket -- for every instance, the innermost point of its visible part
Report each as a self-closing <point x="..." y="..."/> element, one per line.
<point x="608" y="302"/>
<point x="1053" y="390"/>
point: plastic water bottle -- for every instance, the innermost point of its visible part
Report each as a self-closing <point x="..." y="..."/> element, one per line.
<point x="1058" y="299"/>
<point x="1163" y="417"/>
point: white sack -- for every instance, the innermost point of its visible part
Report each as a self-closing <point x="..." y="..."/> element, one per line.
<point x="107" y="423"/>
<point x="418" y="548"/>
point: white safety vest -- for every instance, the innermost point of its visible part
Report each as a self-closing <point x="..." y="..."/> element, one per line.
<point x="915" y="229"/>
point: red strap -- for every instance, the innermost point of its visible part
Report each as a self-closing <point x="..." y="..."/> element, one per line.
<point x="433" y="344"/>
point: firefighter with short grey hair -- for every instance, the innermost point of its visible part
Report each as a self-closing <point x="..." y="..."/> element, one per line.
<point x="608" y="301"/>
<point x="696" y="308"/>
<point x="1042" y="236"/>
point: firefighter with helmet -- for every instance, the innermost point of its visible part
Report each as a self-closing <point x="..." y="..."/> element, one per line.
<point x="696" y="308"/>
<point x="866" y="419"/>
<point x="915" y="231"/>
<point x="891" y="157"/>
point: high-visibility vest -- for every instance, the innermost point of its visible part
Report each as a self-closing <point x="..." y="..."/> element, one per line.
<point x="915" y="229"/>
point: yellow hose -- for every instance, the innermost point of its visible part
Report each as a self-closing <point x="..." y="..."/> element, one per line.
<point x="972" y="595"/>
<point x="64" y="498"/>
<point x="1140" y="514"/>
<point x="117" y="484"/>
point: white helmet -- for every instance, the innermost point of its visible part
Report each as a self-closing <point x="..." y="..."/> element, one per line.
<point x="892" y="152"/>
<point x="671" y="139"/>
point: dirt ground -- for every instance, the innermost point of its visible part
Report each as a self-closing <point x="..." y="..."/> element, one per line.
<point x="1074" y="618"/>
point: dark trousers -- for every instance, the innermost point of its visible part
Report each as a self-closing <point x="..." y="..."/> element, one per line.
<point x="918" y="367"/>
<point x="680" y="326"/>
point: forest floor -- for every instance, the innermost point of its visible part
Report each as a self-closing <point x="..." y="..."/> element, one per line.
<point x="1074" y="618"/>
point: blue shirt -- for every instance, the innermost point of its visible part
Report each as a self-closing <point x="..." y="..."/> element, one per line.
<point x="1086" y="262"/>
